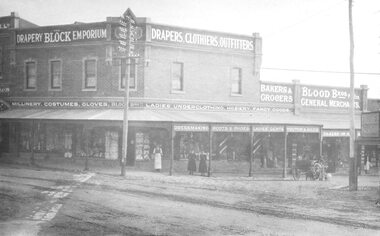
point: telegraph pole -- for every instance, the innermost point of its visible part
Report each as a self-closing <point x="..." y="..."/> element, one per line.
<point x="353" y="172"/>
<point x="126" y="39"/>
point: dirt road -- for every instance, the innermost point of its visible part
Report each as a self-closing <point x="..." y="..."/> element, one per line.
<point x="156" y="204"/>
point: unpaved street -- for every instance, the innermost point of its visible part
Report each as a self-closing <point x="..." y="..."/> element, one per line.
<point x="144" y="203"/>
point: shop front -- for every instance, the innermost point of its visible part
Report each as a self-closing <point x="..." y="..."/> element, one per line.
<point x="368" y="144"/>
<point x="336" y="146"/>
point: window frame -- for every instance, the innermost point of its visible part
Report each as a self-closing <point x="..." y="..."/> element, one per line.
<point x="51" y="88"/>
<point x="84" y="78"/>
<point x="182" y="78"/>
<point x="26" y="75"/>
<point x="239" y="80"/>
<point x="120" y="67"/>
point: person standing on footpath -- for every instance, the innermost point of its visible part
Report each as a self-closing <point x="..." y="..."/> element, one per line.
<point x="192" y="165"/>
<point x="202" y="163"/>
<point x="157" y="152"/>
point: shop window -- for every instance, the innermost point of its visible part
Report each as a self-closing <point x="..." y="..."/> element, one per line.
<point x="236" y="81"/>
<point x="55" y="74"/>
<point x="31" y="75"/>
<point x="90" y="74"/>
<point x="132" y="74"/>
<point x="177" y="77"/>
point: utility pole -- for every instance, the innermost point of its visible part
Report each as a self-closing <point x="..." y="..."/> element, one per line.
<point x="126" y="39"/>
<point x="353" y="174"/>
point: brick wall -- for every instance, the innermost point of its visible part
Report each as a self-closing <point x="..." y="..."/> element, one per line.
<point x="72" y="72"/>
<point x="207" y="75"/>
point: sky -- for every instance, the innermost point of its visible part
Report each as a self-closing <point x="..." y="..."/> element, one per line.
<point x="305" y="40"/>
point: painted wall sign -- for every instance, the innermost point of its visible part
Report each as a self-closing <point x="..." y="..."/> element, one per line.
<point x="276" y="93"/>
<point x="302" y="129"/>
<point x="182" y="36"/>
<point x="191" y="128"/>
<point x="370" y="125"/>
<point x="268" y="128"/>
<point x="335" y="133"/>
<point x="4" y="91"/>
<point x="61" y="34"/>
<point x="145" y="105"/>
<point x="206" y="107"/>
<point x="230" y="128"/>
<point x="327" y="97"/>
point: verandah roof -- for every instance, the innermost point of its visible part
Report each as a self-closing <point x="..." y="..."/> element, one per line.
<point x="157" y="116"/>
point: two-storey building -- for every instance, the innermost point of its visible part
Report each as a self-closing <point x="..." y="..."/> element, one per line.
<point x="191" y="90"/>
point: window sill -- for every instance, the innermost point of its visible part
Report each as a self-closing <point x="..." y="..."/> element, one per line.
<point x="236" y="95"/>
<point x="30" y="89"/>
<point x="89" y="89"/>
<point x="177" y="92"/>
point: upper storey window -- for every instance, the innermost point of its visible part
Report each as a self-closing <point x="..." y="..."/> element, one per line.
<point x="30" y="75"/>
<point x="236" y="81"/>
<point x="177" y="77"/>
<point x="55" y="74"/>
<point x="132" y="74"/>
<point x="90" y="74"/>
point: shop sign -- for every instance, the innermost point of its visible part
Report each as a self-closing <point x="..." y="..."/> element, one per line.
<point x="268" y="128"/>
<point x="205" y="107"/>
<point x="67" y="104"/>
<point x="61" y="34"/>
<point x="182" y="36"/>
<point x="145" y="105"/>
<point x="276" y="93"/>
<point x="302" y="129"/>
<point x="370" y="125"/>
<point x="327" y="97"/>
<point x="4" y="91"/>
<point x="335" y="133"/>
<point x="191" y="128"/>
<point x="230" y="128"/>
<point x="5" y="22"/>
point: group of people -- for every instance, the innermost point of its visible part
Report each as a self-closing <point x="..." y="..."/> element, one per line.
<point x="192" y="164"/>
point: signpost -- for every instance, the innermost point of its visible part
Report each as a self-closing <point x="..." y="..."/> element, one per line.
<point x="125" y="37"/>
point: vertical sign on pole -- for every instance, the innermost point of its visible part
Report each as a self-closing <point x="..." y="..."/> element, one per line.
<point x="127" y="23"/>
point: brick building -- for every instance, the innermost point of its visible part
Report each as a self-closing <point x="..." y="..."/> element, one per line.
<point x="62" y="91"/>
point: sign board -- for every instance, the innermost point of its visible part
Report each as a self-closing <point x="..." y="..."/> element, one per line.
<point x="276" y="93"/>
<point x="302" y="129"/>
<point x="62" y="34"/>
<point x="371" y="125"/>
<point x="268" y="128"/>
<point x="191" y="128"/>
<point x="335" y="133"/>
<point x="56" y="103"/>
<point x="4" y="91"/>
<point x="230" y="128"/>
<point x="191" y="37"/>
<point x="327" y="97"/>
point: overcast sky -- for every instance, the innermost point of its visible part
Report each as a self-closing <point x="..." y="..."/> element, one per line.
<point x="309" y="35"/>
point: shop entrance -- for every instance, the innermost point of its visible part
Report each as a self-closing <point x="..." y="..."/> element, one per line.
<point x="269" y="149"/>
<point x="336" y="152"/>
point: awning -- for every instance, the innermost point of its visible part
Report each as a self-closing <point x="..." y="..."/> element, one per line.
<point x="157" y="115"/>
<point x="368" y="141"/>
<point x="334" y="121"/>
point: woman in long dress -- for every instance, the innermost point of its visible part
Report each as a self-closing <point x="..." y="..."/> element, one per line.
<point x="192" y="165"/>
<point x="157" y="151"/>
<point x="203" y="164"/>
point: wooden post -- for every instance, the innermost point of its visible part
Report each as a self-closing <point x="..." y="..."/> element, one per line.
<point x="32" y="161"/>
<point x="172" y="135"/>
<point x="251" y="137"/>
<point x="353" y="172"/>
<point x="210" y="151"/>
<point x="285" y="152"/>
